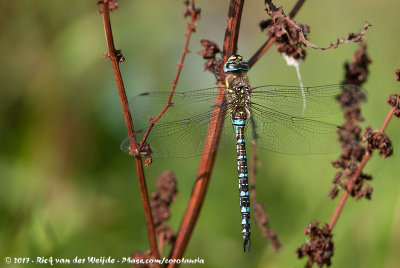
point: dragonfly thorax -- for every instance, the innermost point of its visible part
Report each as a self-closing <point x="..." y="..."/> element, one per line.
<point x="238" y="94"/>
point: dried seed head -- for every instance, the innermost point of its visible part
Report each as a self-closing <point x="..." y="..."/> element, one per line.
<point x="191" y="10"/>
<point x="166" y="185"/>
<point x="357" y="71"/>
<point x="319" y="248"/>
<point x="165" y="233"/>
<point x="120" y="57"/>
<point x="360" y="188"/>
<point x="209" y="53"/>
<point x="350" y="132"/>
<point x="333" y="192"/>
<point x="112" y="4"/>
<point x="210" y="49"/>
<point x="141" y="257"/>
<point x="288" y="33"/>
<point x="394" y="101"/>
<point x="146" y="151"/>
<point x="160" y="202"/>
<point x="264" y="24"/>
<point x="350" y="99"/>
<point x="291" y="37"/>
<point x="378" y="141"/>
<point x="261" y="217"/>
<point x="148" y="160"/>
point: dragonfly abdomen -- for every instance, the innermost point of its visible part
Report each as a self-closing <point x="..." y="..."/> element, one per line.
<point x="239" y="124"/>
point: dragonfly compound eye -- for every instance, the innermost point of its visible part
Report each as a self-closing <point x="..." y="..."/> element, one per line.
<point x="235" y="63"/>
<point x="235" y="57"/>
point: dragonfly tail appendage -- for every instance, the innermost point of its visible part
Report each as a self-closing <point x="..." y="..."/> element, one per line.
<point x="246" y="244"/>
<point x="244" y="193"/>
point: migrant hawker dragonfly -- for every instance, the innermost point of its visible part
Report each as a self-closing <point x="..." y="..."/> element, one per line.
<point x="277" y="115"/>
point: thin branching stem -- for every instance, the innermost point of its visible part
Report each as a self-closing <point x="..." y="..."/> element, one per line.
<point x="309" y="264"/>
<point x="214" y="133"/>
<point x="261" y="51"/>
<point x="296" y="8"/>
<point x="129" y="126"/>
<point x="353" y="179"/>
<point x="339" y="208"/>
<point x="347" y="191"/>
<point x="190" y="29"/>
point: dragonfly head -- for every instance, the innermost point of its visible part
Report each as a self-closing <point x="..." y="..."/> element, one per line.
<point x="236" y="64"/>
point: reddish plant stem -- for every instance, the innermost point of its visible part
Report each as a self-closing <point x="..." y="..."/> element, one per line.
<point x="190" y="29"/>
<point x="309" y="264"/>
<point x="346" y="193"/>
<point x="260" y="215"/>
<point x="214" y="133"/>
<point x="352" y="181"/>
<point x="387" y="119"/>
<point x="296" y="8"/>
<point x="160" y="244"/>
<point x="260" y="52"/>
<point x="129" y="126"/>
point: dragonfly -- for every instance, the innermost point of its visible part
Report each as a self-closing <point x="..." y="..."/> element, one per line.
<point x="274" y="114"/>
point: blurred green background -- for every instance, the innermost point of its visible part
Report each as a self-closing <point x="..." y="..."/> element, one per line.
<point x="67" y="190"/>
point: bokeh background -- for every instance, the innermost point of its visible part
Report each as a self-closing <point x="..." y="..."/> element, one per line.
<point x="67" y="190"/>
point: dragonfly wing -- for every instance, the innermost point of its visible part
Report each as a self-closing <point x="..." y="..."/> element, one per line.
<point x="184" y="138"/>
<point x="182" y="130"/>
<point x="184" y="105"/>
<point x="307" y="102"/>
<point x="280" y="132"/>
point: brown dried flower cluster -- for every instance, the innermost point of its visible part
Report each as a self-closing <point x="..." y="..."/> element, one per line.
<point x="378" y="141"/>
<point x="394" y="101"/>
<point x="288" y="33"/>
<point x="210" y="52"/>
<point x="261" y="217"/>
<point x="112" y="4"/>
<point x="145" y="151"/>
<point x="191" y="10"/>
<point x="141" y="258"/>
<point x="290" y="36"/>
<point x="319" y="247"/>
<point x="350" y="132"/>
<point x="160" y="202"/>
<point x="120" y="57"/>
<point x="357" y="70"/>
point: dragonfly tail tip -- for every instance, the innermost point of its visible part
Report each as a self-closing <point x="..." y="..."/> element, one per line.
<point x="246" y="244"/>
